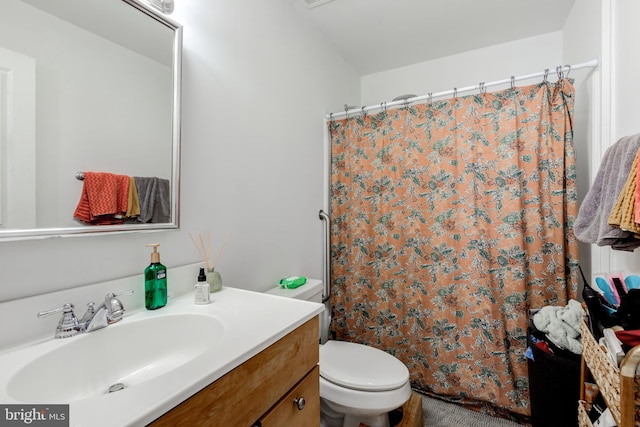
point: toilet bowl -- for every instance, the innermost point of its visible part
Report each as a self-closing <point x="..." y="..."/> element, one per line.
<point x="361" y="382"/>
<point x="358" y="384"/>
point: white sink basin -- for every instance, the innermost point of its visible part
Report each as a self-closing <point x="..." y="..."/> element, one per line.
<point x="162" y="357"/>
<point x="122" y="355"/>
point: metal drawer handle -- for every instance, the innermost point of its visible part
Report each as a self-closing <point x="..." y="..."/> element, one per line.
<point x="299" y="402"/>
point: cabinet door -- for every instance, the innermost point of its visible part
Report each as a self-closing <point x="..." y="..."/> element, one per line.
<point x="290" y="411"/>
<point x="249" y="391"/>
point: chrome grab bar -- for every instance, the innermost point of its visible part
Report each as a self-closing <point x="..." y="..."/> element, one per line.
<point x="326" y="257"/>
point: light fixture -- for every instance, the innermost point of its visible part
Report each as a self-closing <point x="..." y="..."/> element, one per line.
<point x="315" y="3"/>
<point x="164" y="6"/>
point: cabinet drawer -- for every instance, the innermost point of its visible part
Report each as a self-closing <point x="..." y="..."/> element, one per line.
<point x="287" y="412"/>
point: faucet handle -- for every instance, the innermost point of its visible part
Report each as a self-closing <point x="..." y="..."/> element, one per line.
<point x="115" y="309"/>
<point x="68" y="325"/>
<point x="65" y="308"/>
<point x="110" y="296"/>
<point x="129" y="292"/>
<point x="88" y="315"/>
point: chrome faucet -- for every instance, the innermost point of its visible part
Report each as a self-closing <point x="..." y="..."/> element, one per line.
<point x="110" y="311"/>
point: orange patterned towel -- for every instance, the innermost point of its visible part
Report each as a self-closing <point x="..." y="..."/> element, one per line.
<point x="104" y="198"/>
<point x="623" y="212"/>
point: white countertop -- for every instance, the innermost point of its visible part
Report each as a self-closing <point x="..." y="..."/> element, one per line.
<point x="252" y="321"/>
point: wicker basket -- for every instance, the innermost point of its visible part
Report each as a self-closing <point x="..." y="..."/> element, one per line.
<point x="583" y="417"/>
<point x="620" y="388"/>
<point x="605" y="373"/>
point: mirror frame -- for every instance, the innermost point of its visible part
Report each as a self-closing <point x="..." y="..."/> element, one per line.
<point x="43" y="233"/>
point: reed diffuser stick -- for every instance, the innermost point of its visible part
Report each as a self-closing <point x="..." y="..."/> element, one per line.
<point x="202" y="255"/>
<point x="209" y="251"/>
<point x="207" y="258"/>
<point x="205" y="251"/>
<point x="221" y="248"/>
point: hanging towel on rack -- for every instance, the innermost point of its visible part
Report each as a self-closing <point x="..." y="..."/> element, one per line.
<point x="133" y="202"/>
<point x="103" y="199"/>
<point x="636" y="206"/>
<point x="591" y="224"/>
<point x="623" y="211"/>
<point x="155" y="199"/>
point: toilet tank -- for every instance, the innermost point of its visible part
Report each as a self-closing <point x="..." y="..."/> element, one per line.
<point x="310" y="291"/>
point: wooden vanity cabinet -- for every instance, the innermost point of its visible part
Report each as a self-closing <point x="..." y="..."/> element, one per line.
<point x="263" y="391"/>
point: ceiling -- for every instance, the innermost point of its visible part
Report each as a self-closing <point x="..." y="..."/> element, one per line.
<point x="378" y="35"/>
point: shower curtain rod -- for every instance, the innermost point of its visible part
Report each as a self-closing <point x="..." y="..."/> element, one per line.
<point x="559" y="70"/>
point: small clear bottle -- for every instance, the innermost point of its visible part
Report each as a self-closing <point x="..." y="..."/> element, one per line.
<point x="202" y="289"/>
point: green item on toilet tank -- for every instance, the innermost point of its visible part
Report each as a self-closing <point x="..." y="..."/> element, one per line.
<point x="292" y="282"/>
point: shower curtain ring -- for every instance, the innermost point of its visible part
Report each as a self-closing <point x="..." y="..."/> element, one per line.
<point x="455" y="92"/>
<point x="430" y="99"/>
<point x="513" y="82"/>
<point x="568" y="71"/>
<point x="559" y="72"/>
<point x="330" y="117"/>
<point x="364" y="113"/>
<point x="546" y="75"/>
<point x="482" y="88"/>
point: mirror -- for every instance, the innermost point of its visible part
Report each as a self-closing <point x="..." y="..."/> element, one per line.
<point x="85" y="85"/>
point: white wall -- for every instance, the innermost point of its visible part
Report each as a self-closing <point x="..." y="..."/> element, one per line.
<point x="17" y="140"/>
<point x="626" y="66"/>
<point x="256" y="85"/>
<point x="606" y="105"/>
<point x="625" y="88"/>
<point x="492" y="63"/>
<point x="582" y="41"/>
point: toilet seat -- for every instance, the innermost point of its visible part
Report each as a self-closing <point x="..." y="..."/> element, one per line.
<point x="349" y="401"/>
<point x="360" y="367"/>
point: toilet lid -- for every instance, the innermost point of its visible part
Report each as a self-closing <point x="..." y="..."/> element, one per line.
<point x="360" y="367"/>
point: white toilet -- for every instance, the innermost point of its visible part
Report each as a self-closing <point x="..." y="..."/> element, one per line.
<point x="358" y="384"/>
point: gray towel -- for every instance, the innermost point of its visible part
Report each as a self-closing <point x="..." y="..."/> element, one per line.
<point x="591" y="224"/>
<point x="155" y="199"/>
<point x="562" y="325"/>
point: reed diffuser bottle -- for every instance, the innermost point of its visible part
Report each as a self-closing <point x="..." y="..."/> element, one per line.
<point x="213" y="277"/>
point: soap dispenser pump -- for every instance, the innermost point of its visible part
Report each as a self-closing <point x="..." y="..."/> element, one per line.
<point x="155" y="281"/>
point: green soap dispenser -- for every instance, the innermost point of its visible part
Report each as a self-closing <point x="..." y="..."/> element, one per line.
<point x="155" y="281"/>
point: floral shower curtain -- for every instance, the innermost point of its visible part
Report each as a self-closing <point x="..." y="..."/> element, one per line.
<point x="449" y="221"/>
